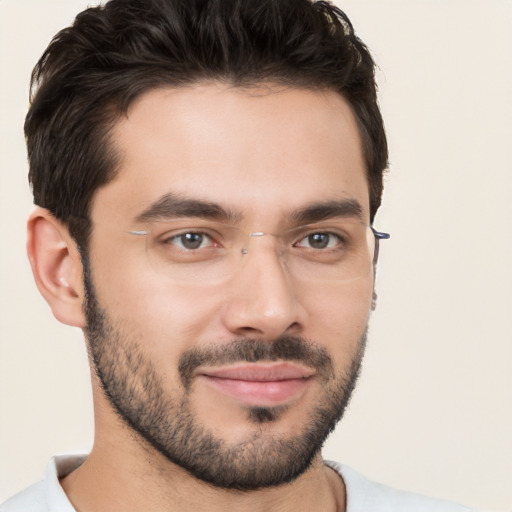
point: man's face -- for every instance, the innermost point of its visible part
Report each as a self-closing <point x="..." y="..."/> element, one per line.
<point x="236" y="370"/>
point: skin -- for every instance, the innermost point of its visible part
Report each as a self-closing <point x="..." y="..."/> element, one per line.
<point x="262" y="153"/>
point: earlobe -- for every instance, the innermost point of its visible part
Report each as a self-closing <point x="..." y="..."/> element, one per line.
<point x="374" y="300"/>
<point x="56" y="266"/>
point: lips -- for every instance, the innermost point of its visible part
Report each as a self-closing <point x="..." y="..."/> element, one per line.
<point x="262" y="384"/>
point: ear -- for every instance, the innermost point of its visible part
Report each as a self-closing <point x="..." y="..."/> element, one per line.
<point x="56" y="266"/>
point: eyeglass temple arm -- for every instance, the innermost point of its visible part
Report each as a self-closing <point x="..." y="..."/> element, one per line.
<point x="378" y="236"/>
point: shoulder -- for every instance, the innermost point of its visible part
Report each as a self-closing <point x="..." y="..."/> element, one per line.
<point x="32" y="499"/>
<point x="47" y="495"/>
<point x="364" y="495"/>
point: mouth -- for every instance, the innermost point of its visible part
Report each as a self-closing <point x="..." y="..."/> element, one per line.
<point x="259" y="384"/>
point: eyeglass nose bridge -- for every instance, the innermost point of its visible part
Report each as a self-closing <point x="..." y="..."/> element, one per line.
<point x="259" y="234"/>
<point x="244" y="249"/>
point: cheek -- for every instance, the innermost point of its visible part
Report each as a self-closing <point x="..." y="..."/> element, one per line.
<point x="339" y="314"/>
<point x="169" y="318"/>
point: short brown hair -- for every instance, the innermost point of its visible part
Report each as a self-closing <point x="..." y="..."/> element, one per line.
<point x="93" y="70"/>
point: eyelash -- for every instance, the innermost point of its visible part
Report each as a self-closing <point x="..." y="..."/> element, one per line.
<point x="173" y="239"/>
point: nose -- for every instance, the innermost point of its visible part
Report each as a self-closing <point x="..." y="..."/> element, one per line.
<point x="263" y="298"/>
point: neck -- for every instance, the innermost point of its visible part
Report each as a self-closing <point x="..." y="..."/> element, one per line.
<point x="129" y="475"/>
<point x="132" y="478"/>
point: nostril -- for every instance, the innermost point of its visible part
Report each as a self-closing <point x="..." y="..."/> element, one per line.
<point x="249" y="331"/>
<point x="294" y="328"/>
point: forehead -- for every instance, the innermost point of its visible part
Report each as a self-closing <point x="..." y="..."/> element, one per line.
<point x="258" y="151"/>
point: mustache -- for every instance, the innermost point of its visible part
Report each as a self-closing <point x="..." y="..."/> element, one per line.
<point x="284" y="348"/>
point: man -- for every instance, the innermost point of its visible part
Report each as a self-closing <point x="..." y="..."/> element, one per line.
<point x="206" y="175"/>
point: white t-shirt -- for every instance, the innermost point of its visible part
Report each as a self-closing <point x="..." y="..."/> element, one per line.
<point x="363" y="495"/>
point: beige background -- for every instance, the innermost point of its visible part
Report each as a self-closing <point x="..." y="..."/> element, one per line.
<point x="433" y="411"/>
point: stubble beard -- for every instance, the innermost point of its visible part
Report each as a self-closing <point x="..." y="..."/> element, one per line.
<point x="135" y="390"/>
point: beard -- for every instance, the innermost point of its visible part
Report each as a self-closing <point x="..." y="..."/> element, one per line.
<point x="167" y="422"/>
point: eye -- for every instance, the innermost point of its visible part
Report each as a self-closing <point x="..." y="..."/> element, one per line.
<point x="190" y="241"/>
<point x="320" y="241"/>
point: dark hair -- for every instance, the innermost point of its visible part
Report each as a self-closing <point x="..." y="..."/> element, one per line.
<point x="92" y="71"/>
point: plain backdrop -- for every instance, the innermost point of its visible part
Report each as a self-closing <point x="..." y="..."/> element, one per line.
<point x="433" y="410"/>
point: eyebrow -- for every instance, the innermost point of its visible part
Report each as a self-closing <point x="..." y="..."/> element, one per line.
<point x="172" y="205"/>
<point x="316" y="212"/>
